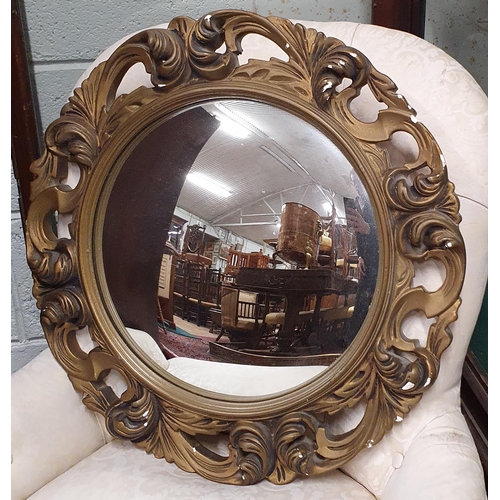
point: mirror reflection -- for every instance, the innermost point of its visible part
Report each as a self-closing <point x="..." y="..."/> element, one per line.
<point x="244" y="236"/>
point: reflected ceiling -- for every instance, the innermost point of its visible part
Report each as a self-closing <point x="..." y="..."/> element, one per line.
<point x="264" y="157"/>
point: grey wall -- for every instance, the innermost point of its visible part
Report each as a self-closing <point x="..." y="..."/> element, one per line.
<point x="65" y="37"/>
<point x="27" y="339"/>
<point x="460" y="28"/>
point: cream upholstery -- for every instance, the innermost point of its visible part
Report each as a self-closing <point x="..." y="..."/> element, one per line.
<point x="121" y="471"/>
<point x="230" y="378"/>
<point x="60" y="449"/>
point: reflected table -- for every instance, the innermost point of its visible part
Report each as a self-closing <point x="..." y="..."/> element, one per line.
<point x="294" y="285"/>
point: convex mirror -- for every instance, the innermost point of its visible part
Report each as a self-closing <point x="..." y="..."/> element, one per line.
<point x="270" y="183"/>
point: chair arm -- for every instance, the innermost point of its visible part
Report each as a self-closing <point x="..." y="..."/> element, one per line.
<point x="441" y="463"/>
<point x="51" y="429"/>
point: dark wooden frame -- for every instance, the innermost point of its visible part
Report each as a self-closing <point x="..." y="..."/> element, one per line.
<point x="404" y="15"/>
<point x="474" y="398"/>
<point x="25" y="137"/>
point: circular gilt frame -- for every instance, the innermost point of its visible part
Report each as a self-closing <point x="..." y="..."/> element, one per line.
<point x="281" y="436"/>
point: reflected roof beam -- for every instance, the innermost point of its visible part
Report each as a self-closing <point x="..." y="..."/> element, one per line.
<point x="221" y="108"/>
<point x="264" y="199"/>
<point x="240" y="224"/>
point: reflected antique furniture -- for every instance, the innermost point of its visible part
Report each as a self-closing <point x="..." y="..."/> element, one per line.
<point x="238" y="259"/>
<point x="327" y="249"/>
<point x="299" y="236"/>
<point x="61" y="449"/>
<point x="198" y="259"/>
<point x="180" y="288"/>
<point x="196" y="288"/>
<point x="194" y="239"/>
<point x="258" y="260"/>
<point x="166" y="285"/>
<point x="212" y="290"/>
<point x="210" y="297"/>
<point x="235" y="260"/>
<point x="242" y="316"/>
<point x="348" y="251"/>
<point x="295" y="286"/>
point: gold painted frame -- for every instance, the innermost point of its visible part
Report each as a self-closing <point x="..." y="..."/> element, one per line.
<point x="281" y="436"/>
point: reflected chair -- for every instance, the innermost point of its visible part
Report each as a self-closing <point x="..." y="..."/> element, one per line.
<point x="326" y="324"/>
<point x="349" y="254"/>
<point x="195" y="277"/>
<point x="203" y="291"/>
<point x="235" y="260"/>
<point x="241" y="316"/>
<point x="194" y="239"/>
<point x="210" y="301"/>
<point x="333" y="313"/>
<point x="327" y="249"/>
<point x="61" y="450"/>
<point x="212" y="289"/>
<point x="258" y="259"/>
<point x="166" y="285"/>
<point x="180" y="288"/>
<point x="274" y="323"/>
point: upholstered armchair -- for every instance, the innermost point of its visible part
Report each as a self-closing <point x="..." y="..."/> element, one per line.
<point x="61" y="450"/>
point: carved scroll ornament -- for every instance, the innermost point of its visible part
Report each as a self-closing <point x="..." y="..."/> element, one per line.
<point x="290" y="434"/>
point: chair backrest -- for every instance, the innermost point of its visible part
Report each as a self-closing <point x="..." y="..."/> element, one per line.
<point x="327" y="248"/>
<point x="247" y="302"/>
<point x="258" y="259"/>
<point x="213" y="280"/>
<point x="229" y="306"/>
<point x="194" y="239"/>
<point x="235" y="260"/>
<point x="236" y="304"/>
<point x="180" y="276"/>
<point x="195" y="280"/>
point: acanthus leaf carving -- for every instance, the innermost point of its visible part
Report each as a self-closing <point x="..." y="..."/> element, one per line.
<point x="296" y="445"/>
<point x="160" y="51"/>
<point x="333" y="64"/>
<point x="134" y="418"/>
<point x="252" y="444"/>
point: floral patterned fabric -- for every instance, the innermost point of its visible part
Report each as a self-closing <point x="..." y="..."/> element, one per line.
<point x="121" y="471"/>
